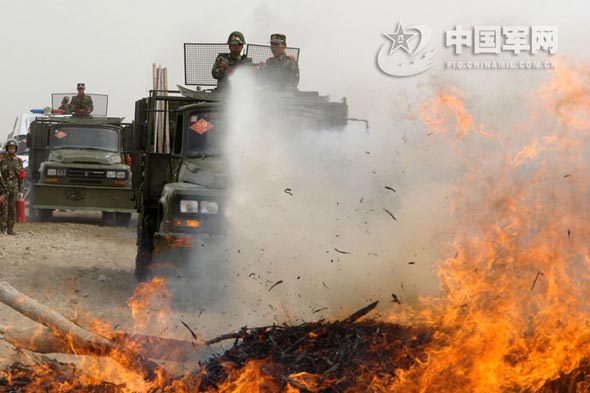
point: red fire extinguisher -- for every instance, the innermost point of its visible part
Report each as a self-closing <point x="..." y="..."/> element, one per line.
<point x="20" y="210"/>
<point x="20" y="200"/>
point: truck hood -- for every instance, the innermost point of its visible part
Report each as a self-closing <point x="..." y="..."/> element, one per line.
<point x="75" y="156"/>
<point x="203" y="172"/>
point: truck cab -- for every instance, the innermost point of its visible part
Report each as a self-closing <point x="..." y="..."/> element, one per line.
<point x="180" y="173"/>
<point x="79" y="164"/>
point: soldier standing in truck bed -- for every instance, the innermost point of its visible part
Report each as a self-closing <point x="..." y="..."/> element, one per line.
<point x="226" y="63"/>
<point x="81" y="104"/>
<point x="280" y="71"/>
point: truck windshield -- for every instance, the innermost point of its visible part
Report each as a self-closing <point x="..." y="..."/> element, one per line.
<point x="204" y="134"/>
<point x="95" y="138"/>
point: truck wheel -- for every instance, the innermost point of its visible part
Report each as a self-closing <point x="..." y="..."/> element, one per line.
<point x="145" y="248"/>
<point x="122" y="219"/>
<point x="40" y="214"/>
<point x="108" y="219"/>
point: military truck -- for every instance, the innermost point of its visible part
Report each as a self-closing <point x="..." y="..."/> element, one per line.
<point x="179" y="167"/>
<point x="181" y="192"/>
<point x="78" y="163"/>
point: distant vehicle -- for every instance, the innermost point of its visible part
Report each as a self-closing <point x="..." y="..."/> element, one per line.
<point x="20" y="130"/>
<point x="80" y="163"/>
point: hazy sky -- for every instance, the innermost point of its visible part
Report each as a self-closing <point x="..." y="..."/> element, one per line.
<point x="49" y="45"/>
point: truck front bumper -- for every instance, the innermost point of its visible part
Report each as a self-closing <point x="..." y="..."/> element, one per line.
<point x="111" y="199"/>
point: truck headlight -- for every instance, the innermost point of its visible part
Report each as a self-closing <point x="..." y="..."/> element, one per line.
<point x="51" y="172"/>
<point x="209" y="207"/>
<point x="110" y="174"/>
<point x="61" y="172"/>
<point x="121" y="175"/>
<point x="188" y="206"/>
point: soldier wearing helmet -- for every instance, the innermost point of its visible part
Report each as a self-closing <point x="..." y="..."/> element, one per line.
<point x="11" y="184"/>
<point x="225" y="63"/>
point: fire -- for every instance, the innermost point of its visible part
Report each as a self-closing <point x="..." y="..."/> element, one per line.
<point x="514" y="314"/>
<point x="150" y="304"/>
<point x="435" y="114"/>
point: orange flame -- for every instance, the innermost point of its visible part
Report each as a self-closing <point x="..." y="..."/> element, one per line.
<point x="150" y="304"/>
<point x="435" y="113"/>
<point x="514" y="314"/>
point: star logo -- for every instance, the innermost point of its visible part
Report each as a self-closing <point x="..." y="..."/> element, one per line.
<point x="400" y="39"/>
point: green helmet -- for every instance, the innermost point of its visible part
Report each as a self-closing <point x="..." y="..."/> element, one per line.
<point x="11" y="142"/>
<point x="236" y="37"/>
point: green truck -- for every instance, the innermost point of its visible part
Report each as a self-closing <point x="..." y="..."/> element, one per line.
<point x="179" y="172"/>
<point x="79" y="163"/>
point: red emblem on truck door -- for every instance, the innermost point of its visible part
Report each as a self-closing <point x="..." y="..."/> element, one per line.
<point x="201" y="126"/>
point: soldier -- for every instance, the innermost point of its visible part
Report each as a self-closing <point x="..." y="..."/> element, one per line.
<point x="65" y="105"/>
<point x="11" y="183"/>
<point x="280" y="71"/>
<point x="81" y="104"/>
<point x="225" y="63"/>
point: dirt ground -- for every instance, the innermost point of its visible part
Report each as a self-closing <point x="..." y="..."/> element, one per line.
<point x="72" y="264"/>
<point x="84" y="270"/>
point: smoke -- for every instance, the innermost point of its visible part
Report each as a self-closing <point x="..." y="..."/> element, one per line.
<point x="312" y="230"/>
<point x="321" y="221"/>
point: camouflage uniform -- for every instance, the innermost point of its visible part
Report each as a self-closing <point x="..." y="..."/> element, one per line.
<point x="65" y="106"/>
<point x="233" y="60"/>
<point x="81" y="104"/>
<point x="281" y="71"/>
<point x="11" y="184"/>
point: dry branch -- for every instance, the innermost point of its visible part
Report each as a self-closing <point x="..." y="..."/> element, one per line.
<point x="78" y="338"/>
<point x="41" y="340"/>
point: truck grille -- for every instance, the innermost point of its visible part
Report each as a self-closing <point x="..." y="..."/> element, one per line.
<point x="77" y="173"/>
<point x="85" y="181"/>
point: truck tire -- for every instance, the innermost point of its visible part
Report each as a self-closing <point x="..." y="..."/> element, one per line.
<point x="40" y="214"/>
<point x="122" y="219"/>
<point x="108" y="219"/>
<point x="145" y="247"/>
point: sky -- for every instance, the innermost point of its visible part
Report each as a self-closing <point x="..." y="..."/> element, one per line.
<point x="49" y="46"/>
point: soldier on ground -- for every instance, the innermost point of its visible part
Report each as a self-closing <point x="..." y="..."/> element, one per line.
<point x="11" y="185"/>
<point x="225" y="63"/>
<point x="280" y="71"/>
<point x="81" y="104"/>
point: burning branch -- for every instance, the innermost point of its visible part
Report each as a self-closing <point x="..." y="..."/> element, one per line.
<point x="41" y="340"/>
<point x="80" y="340"/>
